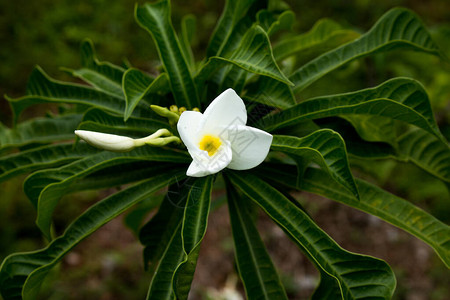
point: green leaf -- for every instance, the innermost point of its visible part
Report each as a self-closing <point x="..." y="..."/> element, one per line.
<point x="193" y="230"/>
<point x="400" y="99"/>
<point x="98" y="120"/>
<point x="41" y="158"/>
<point x="272" y="24"/>
<point x="270" y="92"/>
<point x="255" y="267"/>
<point x="155" y="234"/>
<point x="355" y="145"/>
<point x="327" y="288"/>
<point x="118" y="175"/>
<point x="188" y="24"/>
<point x="427" y="152"/>
<point x="324" y="36"/>
<point x="104" y="76"/>
<point x="374" y="201"/>
<point x="398" y="28"/>
<point x="161" y="237"/>
<point x="324" y="147"/>
<point x="137" y="85"/>
<point x="45" y="188"/>
<point x="234" y="11"/>
<point x="22" y="274"/>
<point x="43" y="89"/>
<point x="254" y="54"/>
<point x="39" y="131"/>
<point x="136" y="217"/>
<point x="359" y="276"/>
<point x="155" y="18"/>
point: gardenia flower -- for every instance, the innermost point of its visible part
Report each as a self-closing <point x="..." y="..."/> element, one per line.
<point x="219" y="138"/>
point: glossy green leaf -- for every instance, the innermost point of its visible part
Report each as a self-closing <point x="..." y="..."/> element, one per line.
<point x="156" y="233"/>
<point x="324" y="147"/>
<point x="104" y="76"/>
<point x="359" y="276"/>
<point x="324" y="36"/>
<point x="162" y="239"/>
<point x="98" y="120"/>
<point x="137" y="85"/>
<point x="256" y="269"/>
<point x="42" y="157"/>
<point x="398" y="28"/>
<point x="355" y="145"/>
<point x="188" y="24"/>
<point x="135" y="218"/>
<point x="254" y="54"/>
<point x="45" y="188"/>
<point x="193" y="230"/>
<point x="39" y="131"/>
<point x="21" y="274"/>
<point x="427" y="152"/>
<point x="43" y="89"/>
<point x="327" y="288"/>
<point x="272" y="23"/>
<point x="118" y="175"/>
<point x="375" y="201"/>
<point x="399" y="99"/>
<point x="155" y="18"/>
<point x="234" y="11"/>
<point x="270" y="92"/>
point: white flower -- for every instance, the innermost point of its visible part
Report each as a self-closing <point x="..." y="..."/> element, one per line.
<point x="218" y="138"/>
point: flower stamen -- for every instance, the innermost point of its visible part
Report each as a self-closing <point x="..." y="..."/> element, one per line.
<point x="210" y="144"/>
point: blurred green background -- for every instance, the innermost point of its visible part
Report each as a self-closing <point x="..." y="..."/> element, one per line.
<point x="107" y="265"/>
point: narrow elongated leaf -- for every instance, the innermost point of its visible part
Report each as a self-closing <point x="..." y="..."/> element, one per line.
<point x="359" y="276"/>
<point x="355" y="145"/>
<point x="234" y="11"/>
<point x="155" y="18"/>
<point x="324" y="36"/>
<point x="398" y="28"/>
<point x="161" y="284"/>
<point x="256" y="269"/>
<point x="39" y="131"/>
<point x="324" y="147"/>
<point x="22" y="274"/>
<point x="119" y="175"/>
<point x="41" y="158"/>
<point x="254" y="54"/>
<point x="43" y="89"/>
<point x="374" y="201"/>
<point x="272" y="23"/>
<point x="104" y="76"/>
<point x="98" y="120"/>
<point x="193" y="230"/>
<point x="270" y="92"/>
<point x="156" y="234"/>
<point x="45" y="188"/>
<point x="137" y="85"/>
<point x="162" y="239"/>
<point x="188" y="24"/>
<point x="327" y="288"/>
<point x="427" y="152"/>
<point x="399" y="99"/>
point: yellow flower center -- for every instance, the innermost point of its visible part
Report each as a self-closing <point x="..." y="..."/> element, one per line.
<point x="210" y="144"/>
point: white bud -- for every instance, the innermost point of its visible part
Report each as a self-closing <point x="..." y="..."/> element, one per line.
<point x="107" y="141"/>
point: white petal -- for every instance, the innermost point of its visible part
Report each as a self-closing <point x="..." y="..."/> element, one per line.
<point x="203" y="164"/>
<point x="188" y="126"/>
<point x="227" y="109"/>
<point x="106" y="141"/>
<point x="249" y="146"/>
